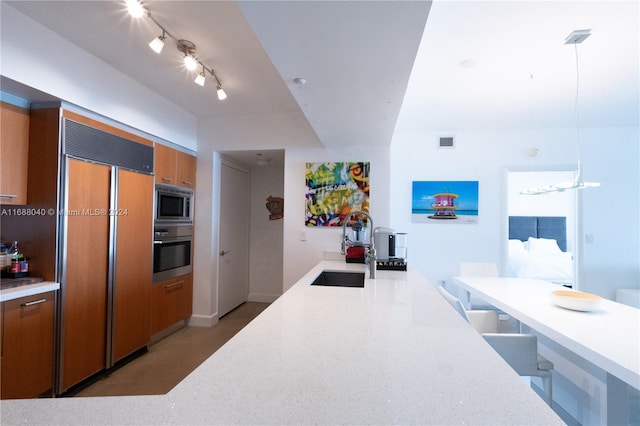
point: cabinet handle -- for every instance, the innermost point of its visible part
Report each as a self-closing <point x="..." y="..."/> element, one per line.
<point x="8" y="196"/>
<point x="35" y="302"/>
<point x="167" y="179"/>
<point x="186" y="182"/>
<point x="172" y="285"/>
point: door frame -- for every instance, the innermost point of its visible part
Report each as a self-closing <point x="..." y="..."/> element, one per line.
<point x="577" y="216"/>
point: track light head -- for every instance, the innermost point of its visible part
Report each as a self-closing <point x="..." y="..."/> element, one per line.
<point x="221" y="94"/>
<point x="158" y="43"/>
<point x="200" y="78"/>
<point x="189" y="50"/>
<point x="135" y="8"/>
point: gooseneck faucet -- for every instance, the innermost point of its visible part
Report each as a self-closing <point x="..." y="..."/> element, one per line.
<point x="371" y="250"/>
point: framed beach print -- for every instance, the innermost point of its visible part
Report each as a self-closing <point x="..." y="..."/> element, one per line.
<point x="333" y="190"/>
<point x="444" y="202"/>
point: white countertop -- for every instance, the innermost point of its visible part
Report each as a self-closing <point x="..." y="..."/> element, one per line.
<point x="27" y="290"/>
<point x="393" y="352"/>
<point x="608" y="337"/>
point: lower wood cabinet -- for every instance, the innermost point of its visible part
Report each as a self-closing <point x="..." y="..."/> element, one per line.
<point x="27" y="346"/>
<point x="172" y="302"/>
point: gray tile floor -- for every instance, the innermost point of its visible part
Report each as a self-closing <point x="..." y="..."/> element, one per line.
<point x="173" y="358"/>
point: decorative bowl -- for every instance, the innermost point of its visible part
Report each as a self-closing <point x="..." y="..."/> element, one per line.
<point x="575" y="300"/>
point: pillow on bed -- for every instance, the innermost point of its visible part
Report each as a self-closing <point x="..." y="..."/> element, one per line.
<point x="516" y="246"/>
<point x="543" y="245"/>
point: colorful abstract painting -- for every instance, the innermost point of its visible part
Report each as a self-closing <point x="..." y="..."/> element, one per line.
<point x="333" y="190"/>
<point x="444" y="202"/>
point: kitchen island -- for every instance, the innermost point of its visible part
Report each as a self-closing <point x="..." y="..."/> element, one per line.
<point x="392" y="352"/>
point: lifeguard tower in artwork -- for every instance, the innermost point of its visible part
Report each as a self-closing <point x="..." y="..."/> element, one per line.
<point x="444" y="205"/>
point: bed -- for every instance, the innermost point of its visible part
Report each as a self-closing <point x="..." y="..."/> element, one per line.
<point x="538" y="249"/>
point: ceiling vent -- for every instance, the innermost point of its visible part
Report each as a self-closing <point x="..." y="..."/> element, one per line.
<point x="446" y="142"/>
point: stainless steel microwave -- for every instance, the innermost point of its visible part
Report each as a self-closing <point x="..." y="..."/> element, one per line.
<point x="173" y="205"/>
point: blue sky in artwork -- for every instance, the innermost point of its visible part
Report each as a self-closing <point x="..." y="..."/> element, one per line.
<point x="423" y="191"/>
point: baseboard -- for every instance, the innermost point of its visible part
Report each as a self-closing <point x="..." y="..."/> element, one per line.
<point x="262" y="298"/>
<point x="203" y="320"/>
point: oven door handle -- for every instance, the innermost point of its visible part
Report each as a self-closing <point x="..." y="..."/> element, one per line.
<point x="157" y="242"/>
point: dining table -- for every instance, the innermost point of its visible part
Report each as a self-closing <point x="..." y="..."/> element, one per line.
<point x="605" y="334"/>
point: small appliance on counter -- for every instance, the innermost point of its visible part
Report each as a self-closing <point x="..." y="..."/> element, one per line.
<point x="356" y="243"/>
<point x="391" y="249"/>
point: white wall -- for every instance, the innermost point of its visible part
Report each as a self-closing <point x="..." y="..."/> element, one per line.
<point x="39" y="58"/>
<point x="266" y="241"/>
<point x="613" y="261"/>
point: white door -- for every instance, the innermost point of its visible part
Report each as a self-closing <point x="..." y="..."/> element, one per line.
<point x="234" y="238"/>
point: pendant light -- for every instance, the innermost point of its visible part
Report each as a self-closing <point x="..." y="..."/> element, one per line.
<point x="575" y="38"/>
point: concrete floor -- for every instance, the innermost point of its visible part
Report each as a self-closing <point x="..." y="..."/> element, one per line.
<point x="170" y="360"/>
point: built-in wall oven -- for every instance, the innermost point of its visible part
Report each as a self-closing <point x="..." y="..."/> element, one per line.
<point x="171" y="251"/>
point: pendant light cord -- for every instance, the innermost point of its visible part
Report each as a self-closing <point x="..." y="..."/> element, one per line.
<point x="577" y="110"/>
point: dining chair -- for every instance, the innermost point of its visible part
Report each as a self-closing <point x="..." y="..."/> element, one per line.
<point x="520" y="351"/>
<point x="477" y="269"/>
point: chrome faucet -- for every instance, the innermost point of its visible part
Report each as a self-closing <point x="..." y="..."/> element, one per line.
<point x="371" y="249"/>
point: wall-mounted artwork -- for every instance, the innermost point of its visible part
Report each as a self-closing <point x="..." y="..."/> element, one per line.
<point x="333" y="190"/>
<point x="275" y="205"/>
<point x="444" y="202"/>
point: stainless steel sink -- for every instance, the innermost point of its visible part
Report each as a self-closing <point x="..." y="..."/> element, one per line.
<point x="340" y="279"/>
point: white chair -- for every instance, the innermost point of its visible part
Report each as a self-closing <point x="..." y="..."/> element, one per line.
<point x="477" y="269"/>
<point x="520" y="351"/>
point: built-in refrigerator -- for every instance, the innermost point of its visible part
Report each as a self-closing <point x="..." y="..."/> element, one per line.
<point x="106" y="243"/>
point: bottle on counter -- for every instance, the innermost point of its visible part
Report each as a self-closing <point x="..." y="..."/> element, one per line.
<point x="3" y="257"/>
<point x="14" y="257"/>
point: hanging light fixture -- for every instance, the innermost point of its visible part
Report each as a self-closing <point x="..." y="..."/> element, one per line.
<point x="186" y="47"/>
<point x="158" y="43"/>
<point x="575" y="38"/>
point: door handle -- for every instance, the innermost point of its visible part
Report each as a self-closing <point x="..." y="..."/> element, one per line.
<point x="223" y="252"/>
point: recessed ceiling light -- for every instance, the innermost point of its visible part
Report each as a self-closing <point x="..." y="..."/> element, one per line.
<point x="467" y="63"/>
<point x="299" y="80"/>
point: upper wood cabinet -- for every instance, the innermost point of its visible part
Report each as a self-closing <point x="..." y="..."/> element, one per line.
<point x="186" y="170"/>
<point x="174" y="167"/>
<point x="14" y="154"/>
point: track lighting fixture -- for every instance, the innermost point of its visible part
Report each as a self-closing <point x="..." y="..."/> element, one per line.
<point x="158" y="43"/>
<point x="187" y="48"/>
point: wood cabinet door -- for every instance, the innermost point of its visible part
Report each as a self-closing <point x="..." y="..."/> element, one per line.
<point x="133" y="268"/>
<point x="27" y="358"/>
<point x="14" y="154"/>
<point x="84" y="288"/>
<point x="172" y="302"/>
<point x="186" y="170"/>
<point x="165" y="164"/>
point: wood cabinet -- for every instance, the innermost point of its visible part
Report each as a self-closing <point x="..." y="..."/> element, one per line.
<point x="14" y="154"/>
<point x="27" y="346"/>
<point x="186" y="170"/>
<point x="134" y="264"/>
<point x="174" y="167"/>
<point x="172" y="302"/>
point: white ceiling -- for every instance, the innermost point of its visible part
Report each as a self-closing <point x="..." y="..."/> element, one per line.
<point x="357" y="57"/>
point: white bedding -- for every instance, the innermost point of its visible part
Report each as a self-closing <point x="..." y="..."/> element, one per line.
<point x="542" y="259"/>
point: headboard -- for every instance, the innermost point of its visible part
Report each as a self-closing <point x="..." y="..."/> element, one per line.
<point x="553" y="227"/>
